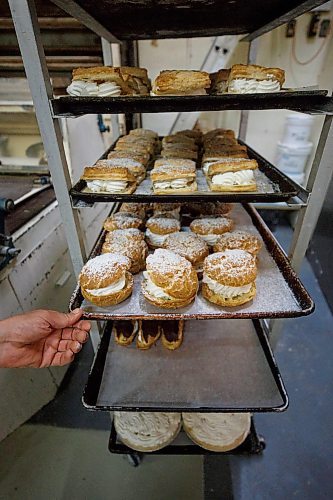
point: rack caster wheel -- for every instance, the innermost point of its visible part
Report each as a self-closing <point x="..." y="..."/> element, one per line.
<point x="134" y="459"/>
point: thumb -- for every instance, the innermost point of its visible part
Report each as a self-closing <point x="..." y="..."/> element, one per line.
<point x="63" y="320"/>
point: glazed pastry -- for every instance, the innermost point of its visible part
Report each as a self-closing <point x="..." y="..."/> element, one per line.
<point x="122" y="220"/>
<point x="102" y="178"/>
<point x="238" y="240"/>
<point x="158" y="228"/>
<point x="190" y="246"/>
<point x="123" y="243"/>
<point x="124" y="331"/>
<point x="219" y="81"/>
<point x="142" y="158"/>
<point x="138" y="209"/>
<point x="149" y="333"/>
<point x="229" y="278"/>
<point x="251" y="78"/>
<point x="232" y="174"/>
<point x="181" y="82"/>
<point x="217" y="431"/>
<point x="173" y="176"/>
<point x="146" y="431"/>
<point x="162" y="209"/>
<point x="211" y="228"/>
<point x="172" y="334"/>
<point x="105" y="280"/>
<point x="170" y="280"/>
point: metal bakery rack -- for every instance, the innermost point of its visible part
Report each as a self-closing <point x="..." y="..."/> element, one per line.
<point x="246" y="377"/>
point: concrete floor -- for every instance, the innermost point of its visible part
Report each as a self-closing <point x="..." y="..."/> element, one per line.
<point x="62" y="452"/>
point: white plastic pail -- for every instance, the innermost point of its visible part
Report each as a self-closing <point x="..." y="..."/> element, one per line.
<point x="298" y="129"/>
<point x="292" y="160"/>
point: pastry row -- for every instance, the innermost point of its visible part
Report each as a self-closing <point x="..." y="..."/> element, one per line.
<point x="182" y="256"/>
<point x="152" y="431"/>
<point x="120" y="81"/>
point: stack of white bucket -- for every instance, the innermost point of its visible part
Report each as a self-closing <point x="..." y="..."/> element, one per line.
<point x="294" y="149"/>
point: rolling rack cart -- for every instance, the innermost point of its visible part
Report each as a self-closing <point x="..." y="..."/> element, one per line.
<point x="248" y="379"/>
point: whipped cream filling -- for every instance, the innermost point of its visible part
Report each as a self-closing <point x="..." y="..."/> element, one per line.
<point x="82" y="88"/>
<point x="172" y="184"/>
<point x="98" y="186"/>
<point x="243" y="177"/>
<point x="156" y="239"/>
<point x="226" y="291"/>
<point x="250" y="86"/>
<point x="189" y="92"/>
<point x="108" y="290"/>
<point x="210" y="238"/>
<point x="155" y="290"/>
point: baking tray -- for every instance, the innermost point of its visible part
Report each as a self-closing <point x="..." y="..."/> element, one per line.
<point x="221" y="366"/>
<point x="273" y="185"/>
<point x="297" y="100"/>
<point x="280" y="294"/>
<point x="183" y="445"/>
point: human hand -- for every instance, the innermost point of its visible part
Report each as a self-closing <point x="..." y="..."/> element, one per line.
<point x="42" y="338"/>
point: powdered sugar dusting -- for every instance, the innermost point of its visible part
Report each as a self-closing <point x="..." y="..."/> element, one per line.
<point x="165" y="261"/>
<point x="232" y="262"/>
<point x="186" y="244"/>
<point x="164" y="223"/>
<point x="96" y="267"/>
<point x="208" y="225"/>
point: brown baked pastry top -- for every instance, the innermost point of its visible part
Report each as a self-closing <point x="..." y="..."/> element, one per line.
<point x="188" y="245"/>
<point x="163" y="225"/>
<point x="180" y="152"/>
<point x="238" y="240"/>
<point x="122" y="220"/>
<point x="173" y="169"/>
<point x="232" y="165"/>
<point x="231" y="267"/>
<point x="180" y="81"/>
<point x="103" y="171"/>
<point x="130" y="233"/>
<point x="257" y="72"/>
<point x="218" y="131"/>
<point x="103" y="270"/>
<point x="138" y="209"/>
<point x="212" y="225"/>
<point x="143" y="158"/>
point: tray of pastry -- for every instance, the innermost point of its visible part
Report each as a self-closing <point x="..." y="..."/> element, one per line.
<point x="271" y="185"/>
<point x="183" y="445"/>
<point x="221" y="366"/>
<point x="299" y="100"/>
<point x="279" y="294"/>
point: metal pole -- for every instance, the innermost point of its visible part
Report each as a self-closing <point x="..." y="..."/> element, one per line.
<point x="244" y="118"/>
<point x="108" y="61"/>
<point x="29" y="39"/>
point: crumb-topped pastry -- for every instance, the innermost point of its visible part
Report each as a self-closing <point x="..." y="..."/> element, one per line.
<point x="131" y="233"/>
<point x="232" y="174"/>
<point x="106" y="178"/>
<point x="173" y="176"/>
<point x="105" y="280"/>
<point x="123" y="243"/>
<point x="158" y="228"/>
<point x="149" y="333"/>
<point x="172" y="334"/>
<point x="170" y="280"/>
<point x="181" y="82"/>
<point x="238" y="240"/>
<point x="210" y="228"/>
<point x="188" y="245"/>
<point x="162" y="209"/>
<point x="251" y="78"/>
<point x="217" y="431"/>
<point x="124" y="331"/>
<point x="229" y="277"/>
<point x="122" y="220"/>
<point x="146" y="431"/>
<point x="139" y="209"/>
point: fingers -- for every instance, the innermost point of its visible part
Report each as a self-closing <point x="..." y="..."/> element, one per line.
<point x="75" y="334"/>
<point x="62" y="358"/>
<point x="69" y="345"/>
<point x="63" y="320"/>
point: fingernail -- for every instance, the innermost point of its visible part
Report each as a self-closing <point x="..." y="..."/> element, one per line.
<point x="75" y="311"/>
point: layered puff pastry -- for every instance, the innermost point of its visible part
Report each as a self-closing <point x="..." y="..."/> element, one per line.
<point x="181" y="82"/>
<point x="104" y="81"/>
<point x="229" y="277"/>
<point x="134" y="249"/>
<point x="232" y="174"/>
<point x="104" y="177"/>
<point x="238" y="240"/>
<point x="251" y="78"/>
<point x="142" y="157"/>
<point x="170" y="281"/>
<point x="174" y="176"/>
<point x="105" y="280"/>
<point x="158" y="228"/>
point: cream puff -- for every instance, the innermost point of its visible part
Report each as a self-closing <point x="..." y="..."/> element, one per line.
<point x="219" y="432"/>
<point x="148" y="334"/>
<point x="123" y="243"/>
<point x="158" y="228"/>
<point x="162" y="209"/>
<point x="232" y="174"/>
<point x="122" y="220"/>
<point x="190" y="246"/>
<point x="103" y="178"/>
<point x="138" y="209"/>
<point x="124" y="331"/>
<point x="208" y="208"/>
<point x="170" y="280"/>
<point x="210" y="228"/>
<point x="238" y="240"/>
<point x="174" y="176"/>
<point x="229" y="277"/>
<point x="146" y="431"/>
<point x="105" y="280"/>
<point x="172" y="334"/>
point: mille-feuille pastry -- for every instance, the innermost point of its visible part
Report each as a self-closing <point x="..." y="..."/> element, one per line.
<point x="136" y="79"/>
<point x="183" y="140"/>
<point x="229" y="277"/>
<point x="170" y="281"/>
<point x="170" y="176"/>
<point x="146" y="431"/>
<point x="143" y="158"/>
<point x="179" y="152"/>
<point x="211" y="228"/>
<point x="166" y="209"/>
<point x="219" y="140"/>
<point x="132" y="141"/>
<point x="124" y="331"/>
<point x="251" y="78"/>
<point x="135" y="167"/>
<point x="238" y="240"/>
<point x="193" y="134"/>
<point x="144" y="132"/>
<point x="172" y="334"/>
<point x="190" y="246"/>
<point x="100" y="81"/>
<point x="148" y="334"/>
<point x="218" y="432"/>
<point x="158" y="228"/>
<point x="120" y="242"/>
<point x="139" y="209"/>
<point x="103" y="178"/>
<point x="218" y="131"/>
<point x="219" y="81"/>
<point x="181" y="82"/>
<point x="122" y="220"/>
<point x="232" y="174"/>
<point x="214" y="155"/>
<point x="134" y="148"/>
<point x="105" y="280"/>
<point x="224" y="149"/>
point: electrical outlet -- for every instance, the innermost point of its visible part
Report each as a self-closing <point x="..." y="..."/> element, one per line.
<point x="325" y="28"/>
